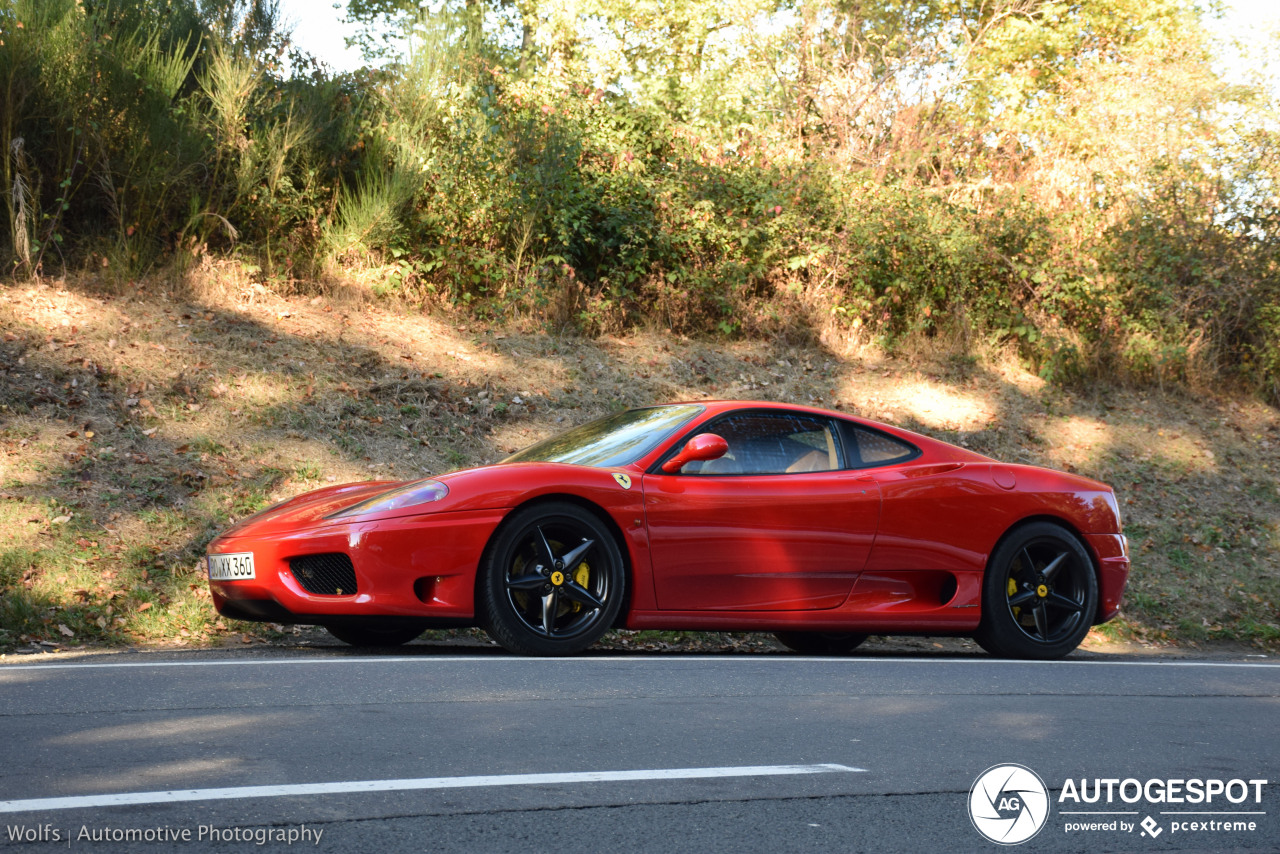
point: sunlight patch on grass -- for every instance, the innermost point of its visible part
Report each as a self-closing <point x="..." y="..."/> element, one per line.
<point x="509" y="438"/>
<point x="944" y="408"/>
<point x="1077" y="443"/>
<point x="263" y="390"/>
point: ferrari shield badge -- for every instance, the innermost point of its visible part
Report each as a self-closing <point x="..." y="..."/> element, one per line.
<point x="623" y="480"/>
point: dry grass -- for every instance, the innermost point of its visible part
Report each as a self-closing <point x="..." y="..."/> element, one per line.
<point x="134" y="426"/>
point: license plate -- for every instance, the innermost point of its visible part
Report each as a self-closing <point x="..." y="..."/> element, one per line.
<point x="231" y="567"/>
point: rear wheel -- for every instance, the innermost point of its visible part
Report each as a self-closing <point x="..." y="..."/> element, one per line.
<point x="820" y="643"/>
<point x="1039" y="594"/>
<point x="374" y="635"/>
<point x="553" y="580"/>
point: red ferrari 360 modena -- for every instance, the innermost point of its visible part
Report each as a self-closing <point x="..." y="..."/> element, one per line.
<point x="814" y="525"/>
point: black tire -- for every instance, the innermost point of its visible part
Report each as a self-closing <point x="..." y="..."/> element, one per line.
<point x="821" y="643"/>
<point x="374" y="635"/>
<point x="552" y="580"/>
<point x="1039" y="595"/>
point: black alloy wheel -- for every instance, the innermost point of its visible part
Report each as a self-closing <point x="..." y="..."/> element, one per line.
<point x="1039" y="596"/>
<point x="820" y="643"/>
<point x="553" y="580"/>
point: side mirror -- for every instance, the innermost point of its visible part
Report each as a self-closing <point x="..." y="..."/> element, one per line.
<point x="704" y="446"/>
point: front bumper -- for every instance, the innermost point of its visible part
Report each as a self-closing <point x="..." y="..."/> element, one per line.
<point x="1112" y="552"/>
<point x="421" y="568"/>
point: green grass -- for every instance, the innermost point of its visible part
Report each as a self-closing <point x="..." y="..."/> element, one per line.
<point x="205" y="445"/>
<point x="307" y="472"/>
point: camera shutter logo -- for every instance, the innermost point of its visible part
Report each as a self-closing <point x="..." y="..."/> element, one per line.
<point x="1008" y="804"/>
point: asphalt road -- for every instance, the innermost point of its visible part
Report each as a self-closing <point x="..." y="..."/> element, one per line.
<point x="436" y="751"/>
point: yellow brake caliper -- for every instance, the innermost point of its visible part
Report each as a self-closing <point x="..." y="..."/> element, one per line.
<point x="582" y="576"/>
<point x="1013" y="589"/>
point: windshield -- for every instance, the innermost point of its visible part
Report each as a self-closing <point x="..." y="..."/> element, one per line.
<point x="614" y="440"/>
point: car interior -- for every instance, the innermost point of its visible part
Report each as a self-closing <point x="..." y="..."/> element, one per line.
<point x="766" y="443"/>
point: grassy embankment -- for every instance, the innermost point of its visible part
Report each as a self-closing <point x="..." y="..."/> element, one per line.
<point x="134" y="427"/>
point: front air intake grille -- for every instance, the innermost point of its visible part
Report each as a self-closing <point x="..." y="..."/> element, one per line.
<point x="325" y="575"/>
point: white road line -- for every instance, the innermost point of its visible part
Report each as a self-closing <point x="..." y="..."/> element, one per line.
<point x="176" y="795"/>
<point x="632" y="659"/>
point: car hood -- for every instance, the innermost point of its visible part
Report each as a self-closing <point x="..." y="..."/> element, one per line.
<point x="495" y="486"/>
<point x="309" y="509"/>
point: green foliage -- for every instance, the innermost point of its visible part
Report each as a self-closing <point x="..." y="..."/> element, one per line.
<point x="139" y="126"/>
<point x="1069" y="180"/>
<point x="1197" y="284"/>
<point x="94" y="104"/>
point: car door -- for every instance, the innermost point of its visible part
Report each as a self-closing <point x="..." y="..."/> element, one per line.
<point x="777" y="524"/>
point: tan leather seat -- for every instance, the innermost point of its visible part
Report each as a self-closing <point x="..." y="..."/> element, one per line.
<point x="815" y="460"/>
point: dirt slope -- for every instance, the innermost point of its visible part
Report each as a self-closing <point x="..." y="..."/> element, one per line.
<point x="133" y="427"/>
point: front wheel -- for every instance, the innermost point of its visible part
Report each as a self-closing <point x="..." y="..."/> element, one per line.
<point x="820" y="643"/>
<point x="552" y="581"/>
<point x="1039" y="594"/>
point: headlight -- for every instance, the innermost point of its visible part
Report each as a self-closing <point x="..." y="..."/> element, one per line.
<point x="409" y="495"/>
<point x="1114" y="502"/>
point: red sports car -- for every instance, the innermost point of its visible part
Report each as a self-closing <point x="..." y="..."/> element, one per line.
<point x="723" y="515"/>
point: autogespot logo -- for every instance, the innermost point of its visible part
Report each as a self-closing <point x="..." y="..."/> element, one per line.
<point x="1008" y="804"/>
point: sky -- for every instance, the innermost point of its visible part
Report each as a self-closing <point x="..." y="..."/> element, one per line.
<point x="1256" y="25"/>
<point x="318" y="29"/>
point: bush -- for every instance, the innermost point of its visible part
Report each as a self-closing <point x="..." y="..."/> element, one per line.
<point x="135" y="131"/>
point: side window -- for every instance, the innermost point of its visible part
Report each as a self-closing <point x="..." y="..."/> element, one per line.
<point x="873" y="448"/>
<point x="772" y="443"/>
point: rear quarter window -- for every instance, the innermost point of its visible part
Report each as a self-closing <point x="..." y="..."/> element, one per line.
<point x="868" y="447"/>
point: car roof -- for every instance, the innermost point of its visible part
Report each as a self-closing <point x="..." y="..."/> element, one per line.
<point x="935" y="449"/>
